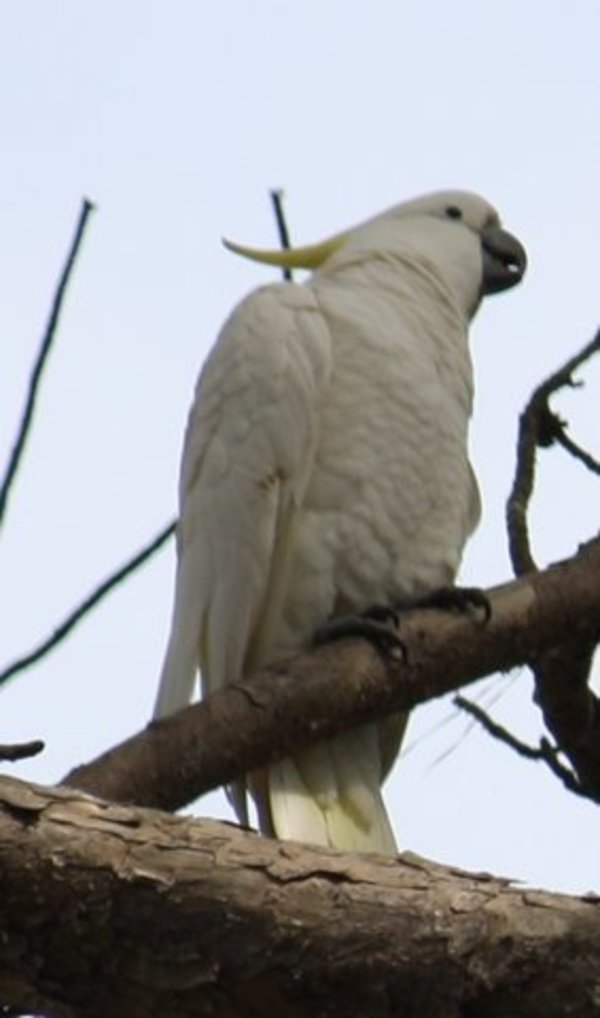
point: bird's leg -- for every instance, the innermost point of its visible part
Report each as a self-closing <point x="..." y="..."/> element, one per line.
<point x="379" y="624"/>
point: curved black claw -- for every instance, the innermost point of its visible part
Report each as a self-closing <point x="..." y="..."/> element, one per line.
<point x="459" y="599"/>
<point x="387" y="614"/>
<point x="379" y="625"/>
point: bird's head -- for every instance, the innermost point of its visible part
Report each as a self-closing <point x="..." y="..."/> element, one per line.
<point x="503" y="257"/>
<point x="457" y="231"/>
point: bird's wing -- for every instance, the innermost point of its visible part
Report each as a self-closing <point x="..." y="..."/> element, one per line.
<point x="248" y="451"/>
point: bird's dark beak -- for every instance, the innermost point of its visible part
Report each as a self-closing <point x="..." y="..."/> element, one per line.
<point x="504" y="260"/>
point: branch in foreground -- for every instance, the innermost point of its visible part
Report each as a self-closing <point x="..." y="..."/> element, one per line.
<point x="98" y="594"/>
<point x="163" y="915"/>
<point x="41" y="359"/>
<point x="318" y="694"/>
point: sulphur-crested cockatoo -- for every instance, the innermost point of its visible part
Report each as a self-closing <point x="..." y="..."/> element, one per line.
<point x="325" y="470"/>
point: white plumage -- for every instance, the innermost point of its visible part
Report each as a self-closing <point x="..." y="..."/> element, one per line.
<point x="325" y="470"/>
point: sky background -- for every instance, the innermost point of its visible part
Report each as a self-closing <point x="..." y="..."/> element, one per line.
<point x="176" y="119"/>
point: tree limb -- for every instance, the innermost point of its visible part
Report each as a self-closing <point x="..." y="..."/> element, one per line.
<point x="318" y="694"/>
<point x="121" y="911"/>
<point x="570" y="709"/>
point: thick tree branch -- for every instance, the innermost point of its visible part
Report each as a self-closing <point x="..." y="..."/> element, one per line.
<point x="318" y="694"/>
<point x="107" y="910"/>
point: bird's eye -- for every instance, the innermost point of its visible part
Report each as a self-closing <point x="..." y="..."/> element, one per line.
<point x="453" y="212"/>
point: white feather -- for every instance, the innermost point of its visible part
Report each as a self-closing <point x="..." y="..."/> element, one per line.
<point x="325" y="469"/>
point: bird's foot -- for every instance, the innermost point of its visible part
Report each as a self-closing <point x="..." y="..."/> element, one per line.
<point x="379" y="624"/>
<point x="457" y="599"/>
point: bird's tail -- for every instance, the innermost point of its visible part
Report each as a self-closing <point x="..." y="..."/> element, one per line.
<point x="176" y="686"/>
<point x="329" y="794"/>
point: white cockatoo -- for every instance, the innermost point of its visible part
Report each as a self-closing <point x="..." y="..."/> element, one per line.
<point x="325" y="470"/>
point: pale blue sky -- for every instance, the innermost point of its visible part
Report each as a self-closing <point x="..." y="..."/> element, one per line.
<point x="176" y="119"/>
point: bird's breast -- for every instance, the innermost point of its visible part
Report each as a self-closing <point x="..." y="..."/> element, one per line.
<point x="389" y="503"/>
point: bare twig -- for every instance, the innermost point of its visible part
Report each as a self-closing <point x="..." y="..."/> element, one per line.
<point x="24" y="429"/>
<point x="20" y="750"/>
<point x="83" y="609"/>
<point x="494" y="729"/>
<point x="64" y="627"/>
<point x="589" y="461"/>
<point x="539" y="426"/>
<point x="104" y="588"/>
<point x="545" y="752"/>
<point x="282" y="229"/>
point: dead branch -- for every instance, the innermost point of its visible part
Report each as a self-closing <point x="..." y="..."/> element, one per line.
<point x="570" y="709"/>
<point x="62" y="629"/>
<point x="24" y="428"/>
<point x="282" y="227"/>
<point x="539" y="426"/>
<point x="544" y="753"/>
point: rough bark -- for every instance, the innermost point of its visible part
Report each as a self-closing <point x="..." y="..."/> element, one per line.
<point x="571" y="710"/>
<point x="111" y="910"/>
<point x="332" y="688"/>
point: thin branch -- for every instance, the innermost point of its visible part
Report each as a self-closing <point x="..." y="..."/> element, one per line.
<point x="563" y="377"/>
<point x="496" y="730"/>
<point x="20" y="750"/>
<point x="589" y="461"/>
<point x="538" y="426"/>
<point x="549" y="754"/>
<point x="493" y="691"/>
<point x="104" y="588"/>
<point x="24" y="429"/>
<point x="90" y="602"/>
<point x="545" y="752"/>
<point x="282" y="229"/>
